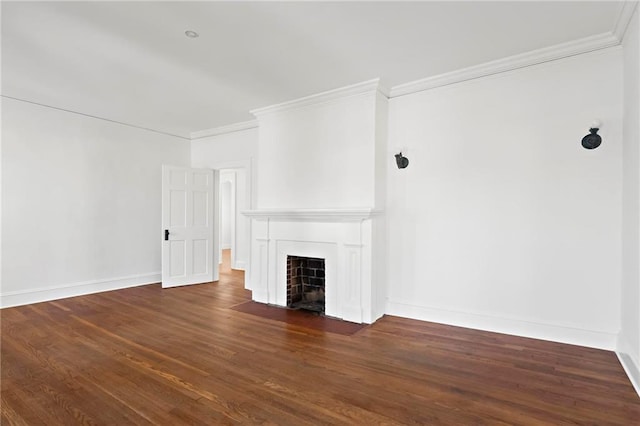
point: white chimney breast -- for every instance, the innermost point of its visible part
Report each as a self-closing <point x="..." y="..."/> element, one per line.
<point x="320" y="178"/>
<point x="320" y="154"/>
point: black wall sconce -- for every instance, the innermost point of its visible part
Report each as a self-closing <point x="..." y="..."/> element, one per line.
<point x="593" y="139"/>
<point x="402" y="161"/>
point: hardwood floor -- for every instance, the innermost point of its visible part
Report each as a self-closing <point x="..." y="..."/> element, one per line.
<point x="181" y="356"/>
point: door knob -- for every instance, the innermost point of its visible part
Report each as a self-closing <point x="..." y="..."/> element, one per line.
<point x="166" y="235"/>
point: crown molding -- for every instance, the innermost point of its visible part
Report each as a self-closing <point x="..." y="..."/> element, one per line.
<point x="534" y="57"/>
<point x="369" y="86"/>
<point x="236" y="127"/>
<point x="624" y="19"/>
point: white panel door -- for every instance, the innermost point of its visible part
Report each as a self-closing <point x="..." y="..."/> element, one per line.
<point x="189" y="251"/>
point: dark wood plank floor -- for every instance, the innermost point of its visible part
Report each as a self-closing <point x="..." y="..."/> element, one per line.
<point x="182" y="356"/>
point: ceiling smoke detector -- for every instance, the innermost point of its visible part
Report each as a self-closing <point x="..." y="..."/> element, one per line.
<point x="191" y="34"/>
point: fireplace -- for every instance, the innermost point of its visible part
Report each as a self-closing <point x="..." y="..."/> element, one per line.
<point x="342" y="239"/>
<point x="305" y="283"/>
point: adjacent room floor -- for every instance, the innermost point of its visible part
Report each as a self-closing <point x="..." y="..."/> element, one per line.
<point x="183" y="356"/>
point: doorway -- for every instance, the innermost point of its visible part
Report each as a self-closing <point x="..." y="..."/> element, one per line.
<point x="235" y="197"/>
<point x="227" y="215"/>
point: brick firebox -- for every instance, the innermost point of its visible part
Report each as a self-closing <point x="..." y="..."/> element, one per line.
<point x="305" y="283"/>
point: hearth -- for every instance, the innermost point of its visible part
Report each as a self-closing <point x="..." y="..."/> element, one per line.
<point x="305" y="283"/>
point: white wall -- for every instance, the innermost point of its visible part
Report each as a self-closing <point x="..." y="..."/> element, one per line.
<point x="502" y="221"/>
<point x="225" y="148"/>
<point x="81" y="203"/>
<point x="629" y="340"/>
<point x="319" y="156"/>
<point x="235" y="151"/>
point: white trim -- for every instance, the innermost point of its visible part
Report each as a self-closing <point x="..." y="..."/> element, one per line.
<point x="629" y="362"/>
<point x="230" y="177"/>
<point x="222" y="130"/>
<point x="522" y="60"/>
<point x="624" y="19"/>
<point x="247" y="166"/>
<point x="235" y="164"/>
<point x="45" y="294"/>
<point x="516" y="327"/>
<point x="321" y="215"/>
<point x="559" y="51"/>
<point x="632" y="370"/>
<point x="369" y="86"/>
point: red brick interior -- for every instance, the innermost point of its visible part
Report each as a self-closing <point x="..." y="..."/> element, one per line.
<point x="305" y="279"/>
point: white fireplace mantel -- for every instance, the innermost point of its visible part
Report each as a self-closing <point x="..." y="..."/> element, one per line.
<point x="313" y="215"/>
<point x="344" y="238"/>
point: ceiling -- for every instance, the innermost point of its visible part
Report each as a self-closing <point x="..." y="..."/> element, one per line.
<point x="131" y="61"/>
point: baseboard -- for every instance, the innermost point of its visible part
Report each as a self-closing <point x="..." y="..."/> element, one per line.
<point x="630" y="364"/>
<point x="554" y="333"/>
<point x="45" y="294"/>
<point x="240" y="265"/>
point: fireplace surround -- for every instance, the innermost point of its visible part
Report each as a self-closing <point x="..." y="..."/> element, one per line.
<point x="343" y="238"/>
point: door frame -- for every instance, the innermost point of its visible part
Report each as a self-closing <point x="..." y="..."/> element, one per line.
<point x="250" y="197"/>
<point x="234" y="207"/>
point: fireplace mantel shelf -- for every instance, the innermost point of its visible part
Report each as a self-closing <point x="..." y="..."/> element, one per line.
<point x="321" y="215"/>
